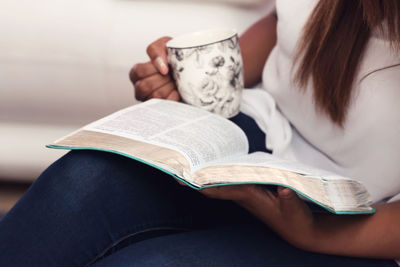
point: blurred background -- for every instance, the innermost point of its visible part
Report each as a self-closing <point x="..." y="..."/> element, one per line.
<point x="65" y="63"/>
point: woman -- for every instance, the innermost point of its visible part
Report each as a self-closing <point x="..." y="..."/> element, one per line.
<point x="337" y="84"/>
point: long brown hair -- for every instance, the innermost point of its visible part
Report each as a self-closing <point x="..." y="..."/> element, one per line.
<point x="332" y="45"/>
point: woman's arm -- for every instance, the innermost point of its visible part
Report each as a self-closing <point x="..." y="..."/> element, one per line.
<point x="373" y="236"/>
<point x="256" y="44"/>
<point x="368" y="236"/>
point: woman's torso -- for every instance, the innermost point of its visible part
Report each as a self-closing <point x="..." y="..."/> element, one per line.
<point x="367" y="148"/>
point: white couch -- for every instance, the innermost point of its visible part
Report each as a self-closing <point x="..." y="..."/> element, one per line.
<point x="64" y="63"/>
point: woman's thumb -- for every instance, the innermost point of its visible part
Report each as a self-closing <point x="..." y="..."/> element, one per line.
<point x="157" y="52"/>
<point x="289" y="201"/>
<point x="161" y="65"/>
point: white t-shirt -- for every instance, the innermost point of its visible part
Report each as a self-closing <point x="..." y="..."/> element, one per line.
<point x="368" y="147"/>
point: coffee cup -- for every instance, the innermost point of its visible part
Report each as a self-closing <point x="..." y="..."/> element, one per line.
<point x="208" y="70"/>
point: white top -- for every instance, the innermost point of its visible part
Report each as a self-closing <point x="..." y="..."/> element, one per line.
<point x="368" y="147"/>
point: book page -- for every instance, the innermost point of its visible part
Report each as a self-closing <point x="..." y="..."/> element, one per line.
<point x="239" y="174"/>
<point x="334" y="191"/>
<point x="168" y="160"/>
<point x="263" y="159"/>
<point x="202" y="137"/>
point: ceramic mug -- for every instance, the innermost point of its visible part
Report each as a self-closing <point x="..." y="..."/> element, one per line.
<point x="208" y="70"/>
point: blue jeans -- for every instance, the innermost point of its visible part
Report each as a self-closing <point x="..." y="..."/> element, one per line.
<point x="97" y="208"/>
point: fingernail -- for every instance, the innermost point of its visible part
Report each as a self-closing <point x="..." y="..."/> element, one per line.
<point x="136" y="84"/>
<point x="161" y="66"/>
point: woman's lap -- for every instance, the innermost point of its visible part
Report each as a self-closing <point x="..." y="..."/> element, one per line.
<point x="89" y="204"/>
<point x="242" y="244"/>
<point x="89" y="201"/>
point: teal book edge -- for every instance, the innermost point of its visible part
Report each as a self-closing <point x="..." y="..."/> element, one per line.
<point x="214" y="185"/>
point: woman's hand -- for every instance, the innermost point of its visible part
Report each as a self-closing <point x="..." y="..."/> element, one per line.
<point x="153" y="79"/>
<point x="370" y="236"/>
<point x="283" y="210"/>
<point x="237" y="193"/>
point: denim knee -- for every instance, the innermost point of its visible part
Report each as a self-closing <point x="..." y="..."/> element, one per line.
<point x="79" y="176"/>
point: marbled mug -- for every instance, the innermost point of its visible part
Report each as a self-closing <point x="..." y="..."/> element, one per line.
<point x="208" y="70"/>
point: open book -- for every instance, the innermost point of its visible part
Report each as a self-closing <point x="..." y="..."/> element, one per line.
<point x="204" y="150"/>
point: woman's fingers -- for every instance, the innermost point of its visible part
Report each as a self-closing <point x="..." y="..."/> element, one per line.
<point x="157" y="51"/>
<point x="174" y="95"/>
<point x="290" y="203"/>
<point x="149" y="87"/>
<point x="141" y="71"/>
<point x="229" y="192"/>
<point x="149" y="83"/>
<point x="180" y="182"/>
<point x="164" y="91"/>
<point x="293" y="209"/>
<point x="151" y="79"/>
